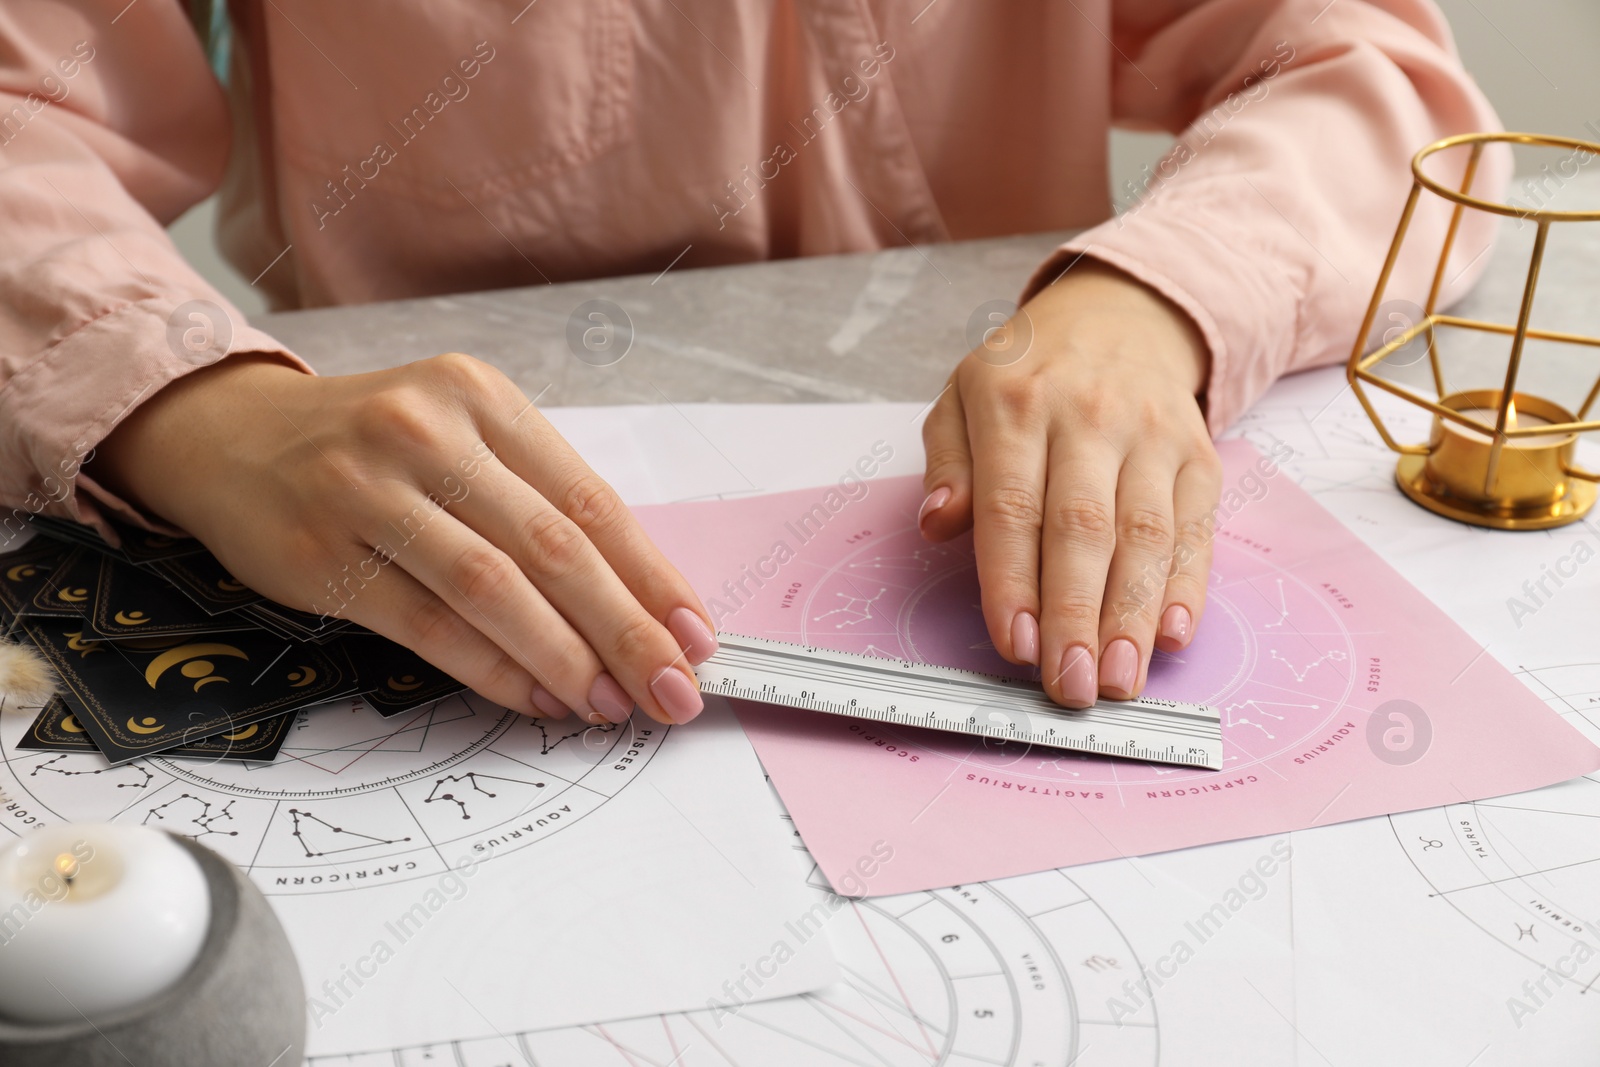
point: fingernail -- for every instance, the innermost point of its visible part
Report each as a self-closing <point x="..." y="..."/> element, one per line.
<point x="1119" y="667"/>
<point x="1025" y="638"/>
<point x="692" y="634"/>
<point x="678" y="696"/>
<point x="610" y="699"/>
<point x="1078" y="686"/>
<point x="546" y="702"/>
<point x="1176" y="623"/>
<point x="936" y="500"/>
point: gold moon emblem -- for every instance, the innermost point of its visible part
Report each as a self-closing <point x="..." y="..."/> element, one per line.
<point x="78" y="643"/>
<point x="73" y="596"/>
<point x="70" y="725"/>
<point x="302" y="676"/>
<point x="247" y="732"/>
<point x="21" y="571"/>
<point x="405" y="683"/>
<point x="230" y="585"/>
<point x="182" y="654"/>
<point x="131" y="618"/>
<point x="146" y="725"/>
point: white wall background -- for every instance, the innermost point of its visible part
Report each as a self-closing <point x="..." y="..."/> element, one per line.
<point x="1538" y="60"/>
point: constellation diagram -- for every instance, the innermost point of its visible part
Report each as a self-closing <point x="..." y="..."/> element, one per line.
<point x="333" y="839"/>
<point x="474" y="781"/>
<point x="1283" y="609"/>
<point x="1332" y="656"/>
<point x="197" y="812"/>
<point x="54" y="766"/>
<point x="585" y="732"/>
<point x="1231" y="716"/>
<point x="855" y="609"/>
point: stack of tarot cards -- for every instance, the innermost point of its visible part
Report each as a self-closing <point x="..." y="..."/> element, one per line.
<point x="158" y="649"/>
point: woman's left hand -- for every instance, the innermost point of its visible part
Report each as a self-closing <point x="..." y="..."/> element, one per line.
<point x="1072" y="443"/>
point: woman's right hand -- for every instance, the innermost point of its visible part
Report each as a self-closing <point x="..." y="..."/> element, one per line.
<point x="433" y="504"/>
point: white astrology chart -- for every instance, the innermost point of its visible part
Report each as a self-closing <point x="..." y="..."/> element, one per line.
<point x="353" y="799"/>
<point x="1273" y="655"/>
<point x="1524" y="870"/>
<point x="1020" y="971"/>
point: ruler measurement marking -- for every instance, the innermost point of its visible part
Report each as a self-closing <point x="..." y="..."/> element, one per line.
<point x="947" y="698"/>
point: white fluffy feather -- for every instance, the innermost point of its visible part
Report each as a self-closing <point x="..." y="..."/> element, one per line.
<point x="26" y="680"/>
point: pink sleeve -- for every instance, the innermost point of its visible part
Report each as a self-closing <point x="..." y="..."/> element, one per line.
<point x="1270" y="220"/>
<point x="111" y="125"/>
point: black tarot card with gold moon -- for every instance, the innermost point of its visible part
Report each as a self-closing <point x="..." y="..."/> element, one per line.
<point x="144" y="695"/>
<point x="57" y="729"/>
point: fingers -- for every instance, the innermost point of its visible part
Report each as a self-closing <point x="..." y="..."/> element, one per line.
<point x="1008" y="476"/>
<point x="947" y="479"/>
<point x="557" y="561"/>
<point x="1078" y="540"/>
<point x="1137" y="579"/>
<point x="486" y="588"/>
<point x="1199" y="484"/>
<point x="400" y="608"/>
<point x="531" y="449"/>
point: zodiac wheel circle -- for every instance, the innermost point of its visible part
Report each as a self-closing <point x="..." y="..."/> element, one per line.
<point x="1267" y="632"/>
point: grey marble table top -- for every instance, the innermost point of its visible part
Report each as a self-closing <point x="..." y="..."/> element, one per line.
<point x="877" y="326"/>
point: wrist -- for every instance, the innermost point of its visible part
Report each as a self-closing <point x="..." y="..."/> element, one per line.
<point x="1156" y="330"/>
<point x="168" y="441"/>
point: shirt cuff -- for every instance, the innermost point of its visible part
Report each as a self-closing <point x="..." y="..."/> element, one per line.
<point x="56" y="410"/>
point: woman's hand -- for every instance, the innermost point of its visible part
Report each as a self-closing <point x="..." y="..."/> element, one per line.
<point x="1071" y="442"/>
<point x="433" y="504"/>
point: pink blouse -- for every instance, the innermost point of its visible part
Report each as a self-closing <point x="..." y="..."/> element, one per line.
<point x="373" y="151"/>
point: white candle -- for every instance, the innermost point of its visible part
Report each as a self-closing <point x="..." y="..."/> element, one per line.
<point x="94" y="918"/>
<point x="1514" y="420"/>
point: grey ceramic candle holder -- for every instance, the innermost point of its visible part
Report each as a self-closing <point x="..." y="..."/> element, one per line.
<point x="242" y="1004"/>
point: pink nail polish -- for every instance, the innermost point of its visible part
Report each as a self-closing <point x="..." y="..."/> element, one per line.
<point x="546" y="702"/>
<point x="1078" y="685"/>
<point x="1176" y="624"/>
<point x="678" y="696"/>
<point x="936" y="500"/>
<point x="692" y="634"/>
<point x="610" y="699"/>
<point x="1025" y="637"/>
<point x="1119" y="667"/>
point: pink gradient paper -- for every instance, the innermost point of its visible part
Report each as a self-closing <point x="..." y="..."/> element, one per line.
<point x="1307" y="638"/>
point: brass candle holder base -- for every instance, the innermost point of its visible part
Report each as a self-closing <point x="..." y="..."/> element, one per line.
<point x="1413" y="479"/>
<point x="1527" y="487"/>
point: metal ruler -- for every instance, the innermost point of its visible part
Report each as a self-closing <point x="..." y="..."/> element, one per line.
<point x="945" y="698"/>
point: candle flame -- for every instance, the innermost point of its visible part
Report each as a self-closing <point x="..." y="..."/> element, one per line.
<point x="1511" y="414"/>
<point x="67" y="867"/>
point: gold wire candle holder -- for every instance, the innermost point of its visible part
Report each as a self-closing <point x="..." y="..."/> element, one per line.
<point x="1495" y="457"/>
